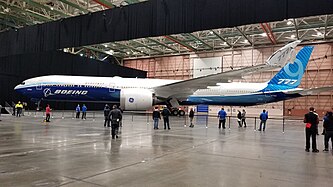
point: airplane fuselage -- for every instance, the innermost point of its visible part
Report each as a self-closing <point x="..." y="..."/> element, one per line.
<point x="108" y="89"/>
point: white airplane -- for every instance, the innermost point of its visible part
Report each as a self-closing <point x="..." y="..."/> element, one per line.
<point x="142" y="94"/>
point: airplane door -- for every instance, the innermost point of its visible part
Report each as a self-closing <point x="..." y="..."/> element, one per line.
<point x="111" y="87"/>
<point x="39" y="87"/>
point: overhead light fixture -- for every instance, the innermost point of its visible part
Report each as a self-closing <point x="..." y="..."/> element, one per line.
<point x="81" y="54"/>
<point x="246" y="41"/>
<point x="289" y="22"/>
<point x="319" y="34"/>
<point x="105" y="45"/>
<point x="51" y="8"/>
<point x="292" y="36"/>
<point x="263" y="34"/>
<point x="128" y="52"/>
<point x="211" y="32"/>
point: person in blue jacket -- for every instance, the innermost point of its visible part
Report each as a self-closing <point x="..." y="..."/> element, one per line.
<point x="263" y="119"/>
<point x="77" y="110"/>
<point x="222" y="118"/>
<point x="84" y="112"/>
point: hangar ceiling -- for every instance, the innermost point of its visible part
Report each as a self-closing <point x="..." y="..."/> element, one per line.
<point x="15" y="14"/>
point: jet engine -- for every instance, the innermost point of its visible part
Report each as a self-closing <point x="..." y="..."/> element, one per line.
<point x="136" y="99"/>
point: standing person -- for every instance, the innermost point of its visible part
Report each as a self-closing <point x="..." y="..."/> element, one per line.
<point x="14" y="110"/>
<point x="328" y="126"/>
<point x="156" y="117"/>
<point x="222" y="116"/>
<point x="77" y="110"/>
<point x="311" y="119"/>
<point x="84" y="112"/>
<point x="243" y="118"/>
<point x="263" y="118"/>
<point x="166" y="113"/>
<point x="191" y="116"/>
<point x="19" y="108"/>
<point x="115" y="117"/>
<point x="239" y="118"/>
<point x="106" y="115"/>
<point x="47" y="113"/>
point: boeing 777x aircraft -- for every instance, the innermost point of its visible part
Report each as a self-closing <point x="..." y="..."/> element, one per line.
<point x="216" y="89"/>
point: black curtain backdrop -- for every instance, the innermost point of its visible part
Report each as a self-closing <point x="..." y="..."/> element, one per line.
<point x="15" y="69"/>
<point x="154" y="18"/>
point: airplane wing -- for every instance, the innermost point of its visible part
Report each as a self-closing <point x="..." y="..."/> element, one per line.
<point x="182" y="89"/>
<point x="310" y="91"/>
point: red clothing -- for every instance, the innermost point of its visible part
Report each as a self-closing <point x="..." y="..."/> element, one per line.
<point x="48" y="110"/>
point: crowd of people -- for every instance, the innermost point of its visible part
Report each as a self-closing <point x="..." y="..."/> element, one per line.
<point x="113" y="119"/>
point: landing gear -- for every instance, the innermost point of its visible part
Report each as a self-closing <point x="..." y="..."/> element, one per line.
<point x="176" y="112"/>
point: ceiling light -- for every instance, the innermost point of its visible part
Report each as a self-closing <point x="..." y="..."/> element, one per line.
<point x="128" y="52"/>
<point x="51" y="8"/>
<point x="81" y="54"/>
<point x="292" y="36"/>
<point x="211" y="32"/>
<point x="319" y="34"/>
<point x="105" y="45"/>
<point x="246" y="41"/>
<point x="263" y="34"/>
<point x="289" y="22"/>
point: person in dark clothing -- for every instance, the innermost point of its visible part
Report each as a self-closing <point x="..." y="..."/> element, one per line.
<point x="115" y="117"/>
<point x="156" y="117"/>
<point x="166" y="113"/>
<point x="191" y="116"/>
<point x="239" y="118"/>
<point x="311" y="119"/>
<point x="243" y="118"/>
<point x="263" y="119"/>
<point x="328" y="125"/>
<point x="106" y="115"/>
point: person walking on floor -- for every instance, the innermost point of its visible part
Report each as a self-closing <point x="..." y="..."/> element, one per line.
<point x="191" y="116"/>
<point x="115" y="117"/>
<point x="106" y="115"/>
<point x="311" y="119"/>
<point x="77" y="110"/>
<point x="47" y="113"/>
<point x="222" y="118"/>
<point x="19" y="108"/>
<point x="239" y="118"/>
<point x="243" y="118"/>
<point x="156" y="117"/>
<point x="328" y="125"/>
<point x="166" y="113"/>
<point x="263" y="119"/>
<point x="84" y="112"/>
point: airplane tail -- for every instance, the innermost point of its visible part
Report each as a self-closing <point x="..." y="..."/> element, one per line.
<point x="291" y="74"/>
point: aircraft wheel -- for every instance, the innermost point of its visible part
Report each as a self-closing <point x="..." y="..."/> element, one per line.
<point x="181" y="112"/>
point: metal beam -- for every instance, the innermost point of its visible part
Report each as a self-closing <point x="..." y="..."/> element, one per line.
<point x="75" y="6"/>
<point x="104" y="3"/>
<point x="221" y="38"/>
<point x="267" y="34"/>
<point x="244" y="35"/>
<point x="325" y="29"/>
<point x="132" y="48"/>
<point x="190" y="48"/>
<point x="296" y="28"/>
<point x="152" y="49"/>
<point x="101" y="51"/>
<point x="198" y="39"/>
<point x="33" y="3"/>
<point x="162" y="44"/>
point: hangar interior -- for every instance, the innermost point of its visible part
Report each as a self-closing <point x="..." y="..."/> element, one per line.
<point x="173" y="56"/>
<point x="164" y="39"/>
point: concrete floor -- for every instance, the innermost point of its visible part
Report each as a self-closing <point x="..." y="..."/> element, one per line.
<point x="71" y="152"/>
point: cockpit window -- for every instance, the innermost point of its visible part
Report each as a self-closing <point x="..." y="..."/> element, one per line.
<point x="23" y="83"/>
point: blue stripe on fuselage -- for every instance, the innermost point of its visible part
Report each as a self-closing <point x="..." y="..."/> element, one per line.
<point x="239" y="100"/>
<point x="76" y="93"/>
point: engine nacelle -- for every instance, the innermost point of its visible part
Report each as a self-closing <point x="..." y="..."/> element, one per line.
<point x="136" y="99"/>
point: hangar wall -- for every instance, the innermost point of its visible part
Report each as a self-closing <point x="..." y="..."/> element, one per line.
<point x="15" y="69"/>
<point x="318" y="73"/>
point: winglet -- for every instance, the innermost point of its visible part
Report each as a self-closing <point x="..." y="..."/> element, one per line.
<point x="283" y="55"/>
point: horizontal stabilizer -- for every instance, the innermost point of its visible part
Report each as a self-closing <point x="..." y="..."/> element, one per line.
<point x="310" y="91"/>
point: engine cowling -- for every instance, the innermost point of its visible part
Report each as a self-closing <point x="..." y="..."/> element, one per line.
<point x="136" y="99"/>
